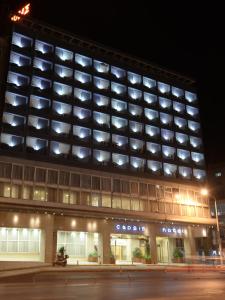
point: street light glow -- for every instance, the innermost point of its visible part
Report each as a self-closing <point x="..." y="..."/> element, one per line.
<point x="204" y="192"/>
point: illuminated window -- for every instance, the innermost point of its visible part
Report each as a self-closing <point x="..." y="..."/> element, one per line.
<point x="153" y="148"/>
<point x="15" y="99"/>
<point x="81" y="153"/>
<point x="82" y="95"/>
<point x="38" y="123"/>
<point x="19" y="60"/>
<point x="100" y="83"/>
<point x="193" y="126"/>
<point x="63" y="72"/>
<point x="185" y="172"/>
<point x="101" y="137"/>
<point x="18" y="80"/>
<point x="83" y="78"/>
<point x="152" y="131"/>
<point x="81" y="114"/>
<point x="150" y="98"/>
<point x="101" y="67"/>
<point x="177" y="92"/>
<point x="39" y="193"/>
<point x="41" y="83"/>
<point x="62" y="89"/>
<point x="101" y="119"/>
<point x="137" y="163"/>
<point x="59" y="149"/>
<point x="195" y="142"/>
<point x="118" y="89"/>
<point x="42" y="65"/>
<point x="61" y="108"/>
<point x="192" y="111"/>
<point x="149" y="83"/>
<point x="151" y="115"/>
<point x="119" y="123"/>
<point x="190" y="97"/>
<point x="136" y="145"/>
<point x="63" y="54"/>
<point x="180" y="123"/>
<point x="166" y="119"/>
<point x="120" y="160"/>
<point x="83" y="61"/>
<point x="136" y="127"/>
<point x="167" y="135"/>
<point x="154" y="166"/>
<point x="43" y="47"/>
<point x="168" y="152"/>
<point x="183" y="155"/>
<point x="135" y="110"/>
<point x="81" y="133"/>
<point x="60" y="128"/>
<point x="39" y="103"/>
<point x="197" y="158"/>
<point x="165" y="103"/>
<point x="163" y="88"/>
<point x="119" y="106"/>
<point x="170" y="170"/>
<point x="11" y="140"/>
<point x="181" y="138"/>
<point x="119" y="141"/>
<point x="100" y="100"/>
<point x="13" y="120"/>
<point x="117" y="72"/>
<point x="134" y="94"/>
<point x="178" y="107"/>
<point x="134" y="78"/>
<point x="199" y="174"/>
<point x="21" y="41"/>
<point x="101" y="157"/>
<point x="36" y="143"/>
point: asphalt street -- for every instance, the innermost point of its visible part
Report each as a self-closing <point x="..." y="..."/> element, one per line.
<point x="114" y="286"/>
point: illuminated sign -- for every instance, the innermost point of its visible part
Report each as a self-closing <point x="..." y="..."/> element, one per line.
<point x="173" y="230"/>
<point x="129" y="228"/>
<point x="25" y="10"/>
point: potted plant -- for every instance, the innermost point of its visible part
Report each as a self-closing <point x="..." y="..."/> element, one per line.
<point x="178" y="255"/>
<point x="62" y="250"/>
<point x="93" y="256"/>
<point x="137" y="255"/>
<point x="147" y="255"/>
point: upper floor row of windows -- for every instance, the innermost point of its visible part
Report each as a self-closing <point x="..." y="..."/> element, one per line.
<point x="85" y="62"/>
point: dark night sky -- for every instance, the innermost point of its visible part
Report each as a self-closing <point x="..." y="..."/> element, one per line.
<point x="178" y="35"/>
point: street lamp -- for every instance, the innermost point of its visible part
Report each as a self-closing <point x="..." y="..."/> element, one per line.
<point x="205" y="192"/>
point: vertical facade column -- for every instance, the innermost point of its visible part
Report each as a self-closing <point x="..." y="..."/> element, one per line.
<point x="106" y="246"/>
<point x="191" y="242"/>
<point x="50" y="239"/>
<point x="153" y="246"/>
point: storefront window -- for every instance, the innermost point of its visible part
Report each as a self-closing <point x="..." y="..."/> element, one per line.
<point x="79" y="245"/>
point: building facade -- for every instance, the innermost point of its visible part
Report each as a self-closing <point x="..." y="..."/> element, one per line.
<point x="99" y="152"/>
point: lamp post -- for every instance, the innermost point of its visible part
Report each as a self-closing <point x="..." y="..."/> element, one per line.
<point x="204" y="192"/>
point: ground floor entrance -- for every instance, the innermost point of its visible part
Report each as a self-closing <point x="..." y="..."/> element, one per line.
<point x="169" y="248"/>
<point x="124" y="246"/>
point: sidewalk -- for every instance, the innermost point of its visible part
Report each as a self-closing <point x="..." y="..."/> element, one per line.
<point x="30" y="268"/>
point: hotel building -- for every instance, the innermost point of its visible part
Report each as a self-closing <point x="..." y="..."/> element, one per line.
<point x="100" y="153"/>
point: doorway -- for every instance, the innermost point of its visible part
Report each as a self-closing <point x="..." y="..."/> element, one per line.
<point x="162" y="249"/>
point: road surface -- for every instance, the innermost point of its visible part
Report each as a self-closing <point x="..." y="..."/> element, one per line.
<point x="114" y="285"/>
